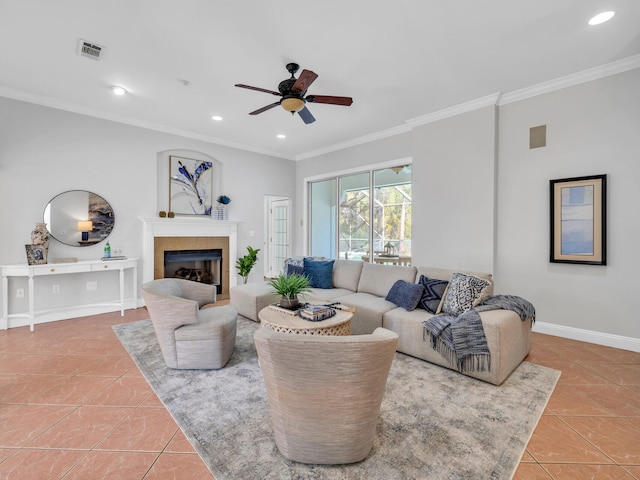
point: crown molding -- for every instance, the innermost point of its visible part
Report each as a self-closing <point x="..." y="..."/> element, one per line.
<point x="355" y="142"/>
<point x="469" y="106"/>
<point x="135" y="122"/>
<point x="584" y="76"/>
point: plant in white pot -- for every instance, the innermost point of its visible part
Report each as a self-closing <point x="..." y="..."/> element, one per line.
<point x="289" y="287"/>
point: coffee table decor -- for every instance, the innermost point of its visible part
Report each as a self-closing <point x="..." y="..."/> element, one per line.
<point x="316" y="313"/>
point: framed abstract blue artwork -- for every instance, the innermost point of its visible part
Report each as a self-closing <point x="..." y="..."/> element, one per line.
<point x="579" y="220"/>
<point x="190" y="186"/>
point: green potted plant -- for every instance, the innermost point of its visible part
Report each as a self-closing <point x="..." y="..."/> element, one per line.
<point x="289" y="287"/>
<point x="246" y="263"/>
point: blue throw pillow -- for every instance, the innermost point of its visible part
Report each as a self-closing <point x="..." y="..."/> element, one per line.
<point x="405" y="295"/>
<point x="294" y="270"/>
<point x="320" y="272"/>
<point x="433" y="291"/>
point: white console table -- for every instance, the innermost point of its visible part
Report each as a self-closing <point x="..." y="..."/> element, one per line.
<point x="32" y="271"/>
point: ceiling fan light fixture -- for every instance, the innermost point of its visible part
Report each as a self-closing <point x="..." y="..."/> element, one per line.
<point x="292" y="104"/>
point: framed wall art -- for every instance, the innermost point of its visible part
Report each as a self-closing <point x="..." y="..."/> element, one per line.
<point x="578" y="220"/>
<point x="190" y="186"/>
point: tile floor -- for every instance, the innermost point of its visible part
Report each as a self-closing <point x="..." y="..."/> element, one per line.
<point x="74" y="406"/>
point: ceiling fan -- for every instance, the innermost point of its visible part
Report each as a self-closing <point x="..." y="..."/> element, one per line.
<point x="293" y="91"/>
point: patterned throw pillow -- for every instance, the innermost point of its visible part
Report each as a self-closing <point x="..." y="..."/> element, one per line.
<point x="320" y="272"/>
<point x="405" y="295"/>
<point x="294" y="269"/>
<point x="433" y="291"/>
<point x="464" y="292"/>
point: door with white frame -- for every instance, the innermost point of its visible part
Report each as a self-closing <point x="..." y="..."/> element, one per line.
<point x="278" y="235"/>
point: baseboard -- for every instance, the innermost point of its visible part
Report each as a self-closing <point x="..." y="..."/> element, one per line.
<point x="599" y="338"/>
<point x="65" y="313"/>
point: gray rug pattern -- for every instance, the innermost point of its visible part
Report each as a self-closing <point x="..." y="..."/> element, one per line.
<point x="434" y="423"/>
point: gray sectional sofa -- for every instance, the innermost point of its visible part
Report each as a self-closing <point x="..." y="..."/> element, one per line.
<point x="365" y="286"/>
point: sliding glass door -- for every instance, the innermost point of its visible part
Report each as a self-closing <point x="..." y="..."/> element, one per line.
<point x="363" y="216"/>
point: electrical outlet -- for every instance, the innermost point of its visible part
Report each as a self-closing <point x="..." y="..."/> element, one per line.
<point x="20" y="293"/>
<point x="55" y="289"/>
<point x="92" y="285"/>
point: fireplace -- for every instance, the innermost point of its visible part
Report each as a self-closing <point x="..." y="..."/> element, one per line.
<point x="161" y="235"/>
<point x="202" y="266"/>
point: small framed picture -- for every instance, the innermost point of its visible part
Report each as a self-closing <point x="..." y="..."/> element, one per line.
<point x="36" y="254"/>
<point x="579" y="220"/>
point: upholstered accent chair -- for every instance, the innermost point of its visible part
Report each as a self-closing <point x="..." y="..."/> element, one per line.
<point x="190" y="337"/>
<point x="325" y="392"/>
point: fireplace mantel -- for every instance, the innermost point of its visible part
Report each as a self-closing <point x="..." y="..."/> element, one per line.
<point x="186" y="227"/>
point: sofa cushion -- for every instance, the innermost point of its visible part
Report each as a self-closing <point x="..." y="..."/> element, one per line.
<point x="433" y="292"/>
<point x="320" y="272"/>
<point x="405" y="295"/>
<point x="369" y="310"/>
<point x="324" y="295"/>
<point x="378" y="279"/>
<point x="346" y="274"/>
<point x="463" y="293"/>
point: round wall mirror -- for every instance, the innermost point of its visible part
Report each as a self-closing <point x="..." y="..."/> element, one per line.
<point x="79" y="218"/>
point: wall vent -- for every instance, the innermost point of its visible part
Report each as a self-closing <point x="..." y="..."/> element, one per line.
<point x="90" y="50"/>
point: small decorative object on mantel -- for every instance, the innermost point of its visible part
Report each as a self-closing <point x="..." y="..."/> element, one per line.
<point x="221" y="212"/>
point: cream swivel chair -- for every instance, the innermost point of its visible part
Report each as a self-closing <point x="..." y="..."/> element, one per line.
<point x="190" y="337"/>
<point x="325" y="392"/>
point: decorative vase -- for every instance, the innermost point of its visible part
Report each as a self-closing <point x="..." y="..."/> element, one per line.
<point x="221" y="212"/>
<point x="40" y="235"/>
<point x="289" y="303"/>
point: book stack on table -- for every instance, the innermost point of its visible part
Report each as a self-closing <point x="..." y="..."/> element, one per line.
<point x="315" y="313"/>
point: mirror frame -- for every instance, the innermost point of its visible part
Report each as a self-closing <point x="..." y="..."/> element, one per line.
<point x="63" y="212"/>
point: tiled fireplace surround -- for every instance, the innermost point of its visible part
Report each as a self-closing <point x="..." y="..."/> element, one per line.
<point x="189" y="233"/>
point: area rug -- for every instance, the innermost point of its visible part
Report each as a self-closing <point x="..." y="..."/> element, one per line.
<point x="434" y="423"/>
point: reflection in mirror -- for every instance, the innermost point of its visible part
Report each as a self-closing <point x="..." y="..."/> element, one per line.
<point x="79" y="218"/>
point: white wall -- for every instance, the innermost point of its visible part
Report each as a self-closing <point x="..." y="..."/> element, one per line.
<point x="481" y="200"/>
<point x="453" y="192"/>
<point x="592" y="128"/>
<point x="44" y="151"/>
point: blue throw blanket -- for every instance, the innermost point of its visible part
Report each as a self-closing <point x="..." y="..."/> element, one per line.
<point x="461" y="340"/>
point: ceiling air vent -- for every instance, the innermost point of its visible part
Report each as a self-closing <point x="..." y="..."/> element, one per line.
<point x="90" y="50"/>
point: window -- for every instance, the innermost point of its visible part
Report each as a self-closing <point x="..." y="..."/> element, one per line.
<point x="362" y="216"/>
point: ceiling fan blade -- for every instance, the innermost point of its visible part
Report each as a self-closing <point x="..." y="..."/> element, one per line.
<point x="264" y="109"/>
<point x="306" y="116"/>
<point x="346" y="101"/>
<point x="304" y="81"/>
<point x="258" y="89"/>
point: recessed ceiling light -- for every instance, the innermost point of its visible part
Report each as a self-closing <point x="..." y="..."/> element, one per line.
<point x="601" y="18"/>
<point x="118" y="90"/>
<point x="281" y="136"/>
<point x="217" y="118"/>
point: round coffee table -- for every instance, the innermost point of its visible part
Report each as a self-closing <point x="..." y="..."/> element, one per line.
<point x="339" y="324"/>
